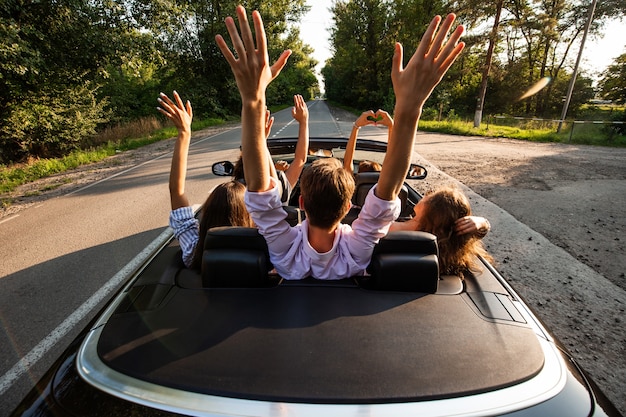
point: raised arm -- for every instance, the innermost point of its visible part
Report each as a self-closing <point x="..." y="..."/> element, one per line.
<point x="412" y="86"/>
<point x="348" y="157"/>
<point x="181" y="115"/>
<point x="253" y="74"/>
<point x="300" y="112"/>
<point x="269" y="122"/>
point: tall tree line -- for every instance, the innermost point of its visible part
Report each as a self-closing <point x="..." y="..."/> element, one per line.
<point x="533" y="39"/>
<point x="70" y="67"/>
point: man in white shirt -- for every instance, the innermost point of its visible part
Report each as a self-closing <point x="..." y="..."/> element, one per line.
<point x="321" y="246"/>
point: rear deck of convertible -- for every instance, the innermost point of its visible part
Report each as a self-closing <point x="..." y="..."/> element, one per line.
<point x="391" y="337"/>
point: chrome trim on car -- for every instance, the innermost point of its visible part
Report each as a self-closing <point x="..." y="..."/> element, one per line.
<point x="549" y="382"/>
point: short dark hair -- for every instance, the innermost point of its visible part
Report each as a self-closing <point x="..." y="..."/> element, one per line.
<point x="369" y="166"/>
<point x="326" y="188"/>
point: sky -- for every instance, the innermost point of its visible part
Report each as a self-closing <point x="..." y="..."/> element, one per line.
<point x="314" y="31"/>
<point x="598" y="53"/>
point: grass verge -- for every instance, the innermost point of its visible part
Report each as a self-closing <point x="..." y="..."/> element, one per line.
<point x="533" y="130"/>
<point x="12" y="177"/>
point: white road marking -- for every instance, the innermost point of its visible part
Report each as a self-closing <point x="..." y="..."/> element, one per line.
<point x="20" y="368"/>
<point x="9" y="218"/>
<point x="283" y="128"/>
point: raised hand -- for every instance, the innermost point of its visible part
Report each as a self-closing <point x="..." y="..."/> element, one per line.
<point x="181" y="115"/>
<point x="383" y="118"/>
<point x="251" y="63"/>
<point x="300" y="111"/>
<point x="366" y="118"/>
<point x="413" y="84"/>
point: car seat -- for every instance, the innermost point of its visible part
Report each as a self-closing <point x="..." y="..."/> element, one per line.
<point x="236" y="257"/>
<point x="404" y="261"/>
<point x="364" y="181"/>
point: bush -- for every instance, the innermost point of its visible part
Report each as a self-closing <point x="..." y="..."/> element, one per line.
<point x="619" y="117"/>
<point x="49" y="124"/>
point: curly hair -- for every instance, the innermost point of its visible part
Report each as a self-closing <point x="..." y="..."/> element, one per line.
<point x="457" y="253"/>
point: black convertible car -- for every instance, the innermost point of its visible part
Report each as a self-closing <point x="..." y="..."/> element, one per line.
<point x="237" y="340"/>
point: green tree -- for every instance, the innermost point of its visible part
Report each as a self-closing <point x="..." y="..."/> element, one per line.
<point x="55" y="57"/>
<point x="68" y="67"/>
<point x="358" y="72"/>
<point x="613" y="84"/>
<point x="544" y="35"/>
<point x="196" y="66"/>
<point x="362" y="40"/>
<point x="298" y="76"/>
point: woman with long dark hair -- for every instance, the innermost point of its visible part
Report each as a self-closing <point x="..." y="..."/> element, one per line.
<point x="223" y="207"/>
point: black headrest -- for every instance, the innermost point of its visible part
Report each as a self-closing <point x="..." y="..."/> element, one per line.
<point x="407" y="241"/>
<point x="235" y="257"/>
<point x="404" y="261"/>
<point x="294" y="215"/>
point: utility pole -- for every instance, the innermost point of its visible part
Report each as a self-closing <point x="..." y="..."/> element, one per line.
<point x="570" y="88"/>
<point x="478" y="115"/>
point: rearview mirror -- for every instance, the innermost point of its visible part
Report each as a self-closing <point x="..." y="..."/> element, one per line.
<point x="416" y="172"/>
<point x="223" y="169"/>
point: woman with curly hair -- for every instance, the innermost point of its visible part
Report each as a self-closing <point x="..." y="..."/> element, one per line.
<point x="447" y="214"/>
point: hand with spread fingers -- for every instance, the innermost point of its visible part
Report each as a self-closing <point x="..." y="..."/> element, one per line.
<point x="180" y="114"/>
<point x="253" y="73"/>
<point x="251" y="63"/>
<point x="412" y="86"/>
<point x="435" y="54"/>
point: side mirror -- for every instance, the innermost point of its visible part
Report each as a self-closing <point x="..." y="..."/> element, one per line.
<point x="416" y="172"/>
<point x="223" y="169"/>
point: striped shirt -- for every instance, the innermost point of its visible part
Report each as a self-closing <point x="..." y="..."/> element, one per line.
<point x="186" y="230"/>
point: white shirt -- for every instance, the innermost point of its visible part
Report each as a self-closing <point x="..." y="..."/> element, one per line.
<point x="289" y="248"/>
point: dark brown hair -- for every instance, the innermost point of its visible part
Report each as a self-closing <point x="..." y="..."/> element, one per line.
<point x="457" y="253"/>
<point x="238" y="169"/>
<point x="223" y="207"/>
<point x="369" y="166"/>
<point x="326" y="189"/>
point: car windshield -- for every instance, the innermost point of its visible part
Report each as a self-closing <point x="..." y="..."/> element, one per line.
<point x="367" y="150"/>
